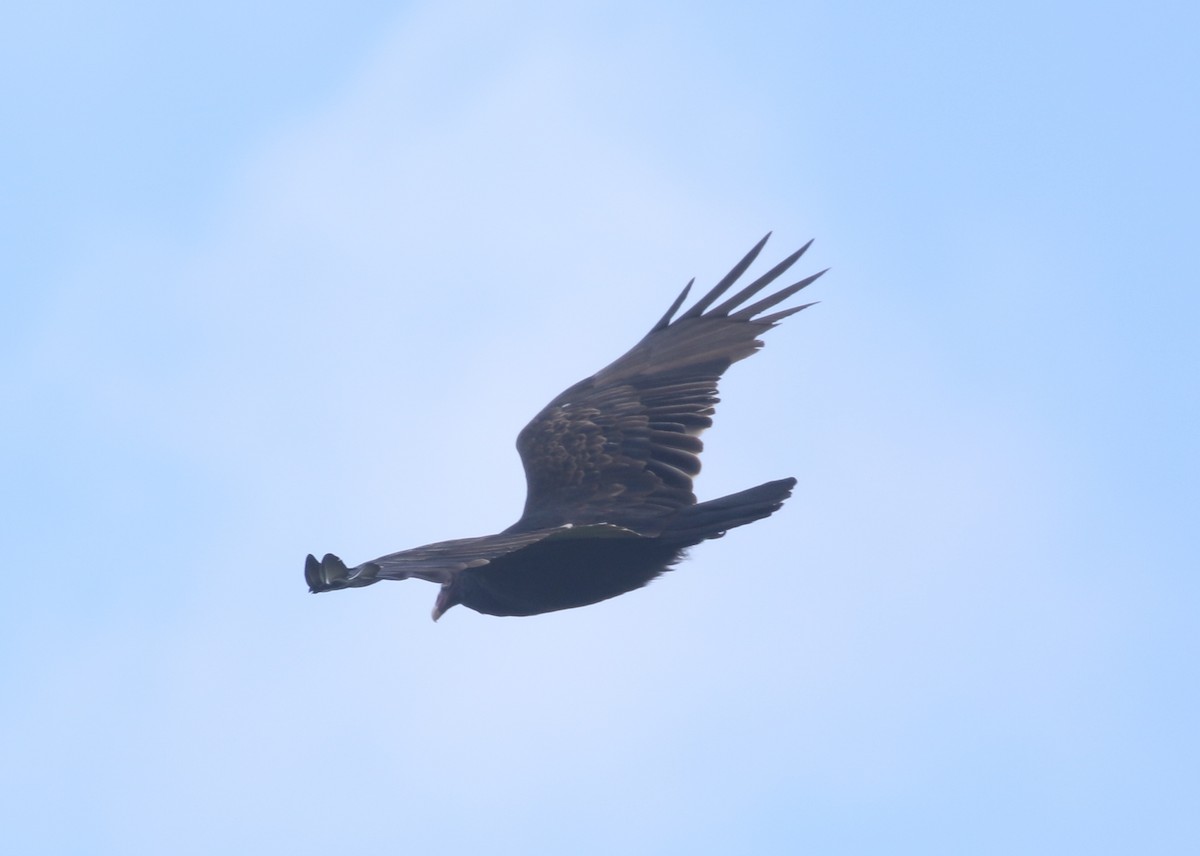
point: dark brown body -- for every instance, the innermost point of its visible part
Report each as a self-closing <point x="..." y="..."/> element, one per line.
<point x="609" y="465"/>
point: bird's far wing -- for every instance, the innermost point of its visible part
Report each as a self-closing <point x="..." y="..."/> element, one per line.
<point x="434" y="562"/>
<point x="622" y="446"/>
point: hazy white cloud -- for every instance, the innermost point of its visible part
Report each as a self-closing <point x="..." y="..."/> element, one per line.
<point x="494" y="205"/>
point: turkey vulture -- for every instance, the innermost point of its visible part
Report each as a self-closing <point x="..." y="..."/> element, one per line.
<point x="608" y="469"/>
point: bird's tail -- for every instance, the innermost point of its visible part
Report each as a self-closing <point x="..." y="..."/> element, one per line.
<point x="714" y="518"/>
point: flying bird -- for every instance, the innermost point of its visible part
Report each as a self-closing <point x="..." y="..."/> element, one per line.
<point x="608" y="469"/>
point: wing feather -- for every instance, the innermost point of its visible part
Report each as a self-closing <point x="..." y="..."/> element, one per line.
<point x="433" y="562"/>
<point x="622" y="446"/>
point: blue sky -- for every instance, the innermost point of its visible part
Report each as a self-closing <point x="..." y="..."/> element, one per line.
<point x="290" y="279"/>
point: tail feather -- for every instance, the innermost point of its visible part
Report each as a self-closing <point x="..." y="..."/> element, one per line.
<point x="714" y="518"/>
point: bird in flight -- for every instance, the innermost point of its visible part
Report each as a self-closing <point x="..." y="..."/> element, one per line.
<point x="608" y="469"/>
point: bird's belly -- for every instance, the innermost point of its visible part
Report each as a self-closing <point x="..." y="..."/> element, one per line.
<point x="553" y="575"/>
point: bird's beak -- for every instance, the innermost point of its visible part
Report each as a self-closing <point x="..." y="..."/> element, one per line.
<point x="444" y="601"/>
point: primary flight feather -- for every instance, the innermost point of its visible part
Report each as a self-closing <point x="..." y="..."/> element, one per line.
<point x="608" y="467"/>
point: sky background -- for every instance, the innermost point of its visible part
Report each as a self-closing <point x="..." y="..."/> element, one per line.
<point x="289" y="277"/>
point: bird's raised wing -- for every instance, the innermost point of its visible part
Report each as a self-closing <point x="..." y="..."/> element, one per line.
<point x="622" y="446"/>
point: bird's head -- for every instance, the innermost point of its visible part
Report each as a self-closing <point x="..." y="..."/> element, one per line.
<point x="448" y="596"/>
